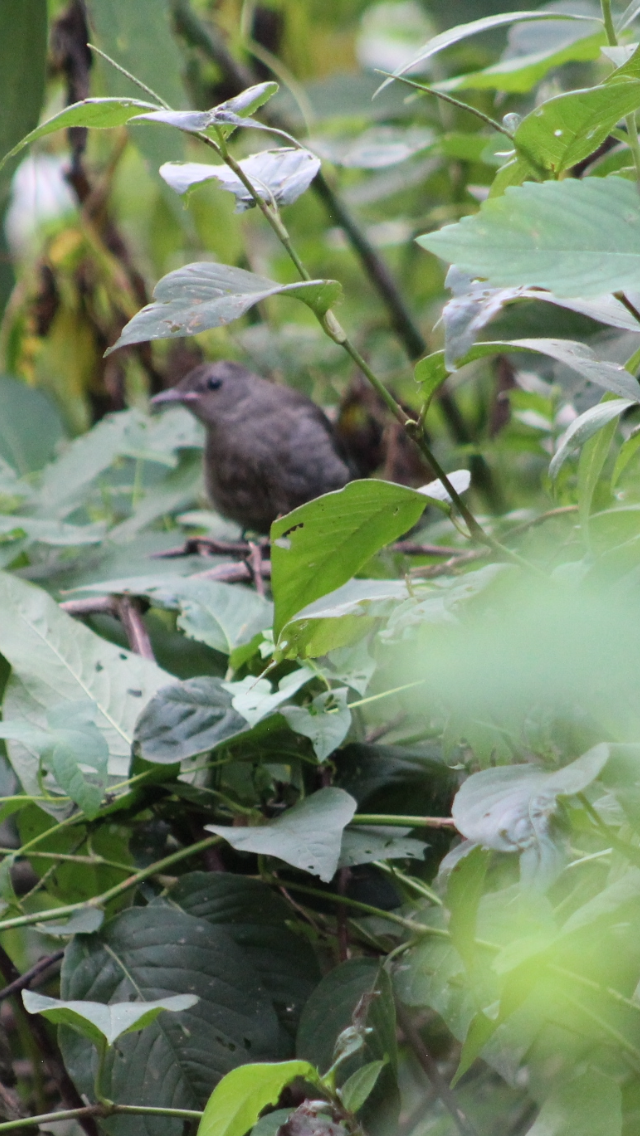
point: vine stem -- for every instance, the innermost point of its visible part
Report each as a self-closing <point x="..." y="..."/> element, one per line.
<point x="111" y="893"/>
<point x="100" y="1111"/>
<point x="403" y="821"/>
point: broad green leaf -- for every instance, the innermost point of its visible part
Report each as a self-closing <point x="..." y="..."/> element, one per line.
<point x="149" y="953"/>
<point x="236" y="1103"/>
<point x="93" y="113"/>
<point x="340" y="618"/>
<point x="569" y="127"/>
<point x="128" y="434"/>
<point x="56" y="661"/>
<point x="185" y="719"/>
<point x="364" y="844"/>
<point x="30" y="426"/>
<point x="584" y="427"/>
<point x="70" y="741"/>
<point x="319" y="546"/>
<point x="279" y="176"/>
<point x="259" y="921"/>
<point x="588" y="1105"/>
<point x="519" y="73"/>
<point x="463" y="31"/>
<point x="359" y="1086"/>
<point x="308" y="836"/>
<point x="201" y="296"/>
<point x="325" y="721"/>
<point x="100" y="1023"/>
<point x="577" y="238"/>
<point x="509" y="808"/>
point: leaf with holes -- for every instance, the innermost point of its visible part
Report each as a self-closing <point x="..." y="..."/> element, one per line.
<point x="308" y="836"/>
<point x="321" y="545"/>
<point x="201" y="296"/>
<point x="56" y="661"/>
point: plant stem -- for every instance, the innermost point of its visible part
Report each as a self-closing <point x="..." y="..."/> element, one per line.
<point x="607" y="20"/>
<point x="114" y="892"/>
<point x="99" y="1110"/>
<point x="402" y="821"/>
<point x="367" y="909"/>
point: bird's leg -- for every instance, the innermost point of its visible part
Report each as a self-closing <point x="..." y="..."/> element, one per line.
<point x="255" y="562"/>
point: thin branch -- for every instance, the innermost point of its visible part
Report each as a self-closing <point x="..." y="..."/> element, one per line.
<point x="492" y="122"/>
<point x="23" y="982"/>
<point x="88" y="1112"/>
<point x="130" y="613"/>
<point x="100" y="901"/>
<point x="430" y="1067"/>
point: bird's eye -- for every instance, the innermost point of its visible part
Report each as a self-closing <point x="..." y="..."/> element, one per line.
<point x="213" y="383"/>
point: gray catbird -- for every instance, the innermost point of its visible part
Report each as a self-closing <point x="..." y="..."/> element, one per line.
<point x="268" y="448"/>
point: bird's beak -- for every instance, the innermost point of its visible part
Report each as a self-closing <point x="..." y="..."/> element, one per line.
<point x="173" y="394"/>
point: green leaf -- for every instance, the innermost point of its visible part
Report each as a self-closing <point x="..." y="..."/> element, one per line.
<point x="149" y="953"/>
<point x="308" y="836"/>
<point x="510" y="808"/>
<point x="592" y="460"/>
<point x="94" y="113"/>
<point x="577" y="238"/>
<point x="340" y="618"/>
<point x="569" y="127"/>
<point x="463" y="31"/>
<point x="359" y="1086"/>
<point x="236" y="1103"/>
<point x="588" y="1105"/>
<point x="481" y="1030"/>
<point x="254" y="699"/>
<point x="102" y="1023"/>
<point x="201" y="296"/>
<point x="30" y="426"/>
<point x="584" y="427"/>
<point x="325" y="721"/>
<point x="83" y="922"/>
<point x="519" y="72"/>
<point x="185" y="719"/>
<point x="57" y="661"/>
<point x="321" y="545"/>
<point x="364" y="844"/>
<point x="259" y="921"/>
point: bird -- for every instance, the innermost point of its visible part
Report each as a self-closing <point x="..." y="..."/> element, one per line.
<point x="268" y="448"/>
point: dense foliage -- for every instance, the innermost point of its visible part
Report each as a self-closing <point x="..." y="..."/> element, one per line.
<point x="338" y="833"/>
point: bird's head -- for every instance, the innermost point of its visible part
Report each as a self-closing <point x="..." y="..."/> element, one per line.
<point x="209" y="390"/>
